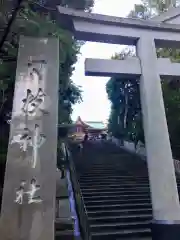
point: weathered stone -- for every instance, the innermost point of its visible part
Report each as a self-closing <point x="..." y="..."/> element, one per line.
<point x="101" y="28"/>
<point x="129" y="68"/>
<point x="31" y="159"/>
<point x="104" y="67"/>
<point x="61" y="186"/>
<point x="164" y="193"/>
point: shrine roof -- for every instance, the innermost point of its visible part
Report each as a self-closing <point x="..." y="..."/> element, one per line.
<point x="98" y="125"/>
<point x="90" y="124"/>
<point x="80" y="122"/>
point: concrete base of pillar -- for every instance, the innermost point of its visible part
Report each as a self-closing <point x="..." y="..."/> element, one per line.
<point x="162" y="230"/>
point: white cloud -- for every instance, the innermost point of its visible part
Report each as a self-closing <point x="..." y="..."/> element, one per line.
<point x="95" y="104"/>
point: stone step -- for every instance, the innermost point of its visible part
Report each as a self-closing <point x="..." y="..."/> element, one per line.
<point x="111" y="169"/>
<point x="64" y="224"/>
<point x="116" y="201"/>
<point x="111" y="206"/>
<point x="119" y="192"/>
<point x="117" y="189"/>
<point x="119" y="226"/>
<point x="113" y="185"/>
<point x="119" y="218"/>
<point x="144" y="232"/>
<point x="117" y="196"/>
<point x="113" y="180"/>
<point x="96" y="177"/>
<point x="68" y="235"/>
<point x="91" y="170"/>
<point x="120" y="212"/>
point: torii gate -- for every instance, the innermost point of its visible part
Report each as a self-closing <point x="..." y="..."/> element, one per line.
<point x="146" y="36"/>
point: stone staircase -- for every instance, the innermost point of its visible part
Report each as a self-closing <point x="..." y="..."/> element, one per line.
<point x="64" y="230"/>
<point x="116" y="192"/>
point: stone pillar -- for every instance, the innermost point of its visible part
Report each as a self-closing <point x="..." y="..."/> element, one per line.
<point x="164" y="194"/>
<point x="28" y="205"/>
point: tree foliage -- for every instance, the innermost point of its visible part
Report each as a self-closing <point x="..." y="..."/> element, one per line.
<point x="35" y="18"/>
<point x="125" y="103"/>
<point x="171" y="89"/>
<point x="159" y="6"/>
<point x="149" y="8"/>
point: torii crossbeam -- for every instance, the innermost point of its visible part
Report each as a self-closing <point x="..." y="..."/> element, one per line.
<point x="146" y="36"/>
<point x="129" y="67"/>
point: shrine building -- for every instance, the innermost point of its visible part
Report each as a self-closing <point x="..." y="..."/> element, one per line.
<point x="93" y="128"/>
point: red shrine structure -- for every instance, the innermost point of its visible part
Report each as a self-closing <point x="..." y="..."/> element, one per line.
<point x="80" y="128"/>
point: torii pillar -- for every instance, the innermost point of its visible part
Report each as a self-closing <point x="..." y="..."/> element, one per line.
<point x="145" y="35"/>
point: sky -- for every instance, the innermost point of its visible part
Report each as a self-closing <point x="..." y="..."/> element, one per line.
<point x="95" y="105"/>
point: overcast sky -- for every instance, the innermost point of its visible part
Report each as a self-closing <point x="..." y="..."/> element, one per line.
<point x="95" y="105"/>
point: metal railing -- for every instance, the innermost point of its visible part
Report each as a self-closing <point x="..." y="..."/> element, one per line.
<point x="80" y="205"/>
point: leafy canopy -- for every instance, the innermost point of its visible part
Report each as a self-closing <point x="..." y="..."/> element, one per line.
<point x="171" y="89"/>
<point x="35" y="18"/>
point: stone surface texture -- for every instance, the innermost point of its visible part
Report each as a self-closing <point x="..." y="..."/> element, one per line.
<point x="32" y="221"/>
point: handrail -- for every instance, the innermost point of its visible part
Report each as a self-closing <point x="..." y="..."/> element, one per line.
<point x="82" y="212"/>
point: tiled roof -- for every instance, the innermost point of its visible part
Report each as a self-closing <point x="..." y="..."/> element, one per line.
<point x="98" y="125"/>
<point x="91" y="124"/>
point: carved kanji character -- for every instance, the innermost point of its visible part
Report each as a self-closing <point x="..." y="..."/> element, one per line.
<point x="32" y="103"/>
<point x="32" y="197"/>
<point x="23" y="139"/>
<point x="20" y="193"/>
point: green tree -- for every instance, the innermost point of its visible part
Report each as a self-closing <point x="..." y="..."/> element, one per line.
<point x="149" y="8"/>
<point x="170" y="88"/>
<point x="159" y="6"/>
<point x="125" y="103"/>
<point x="35" y="18"/>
